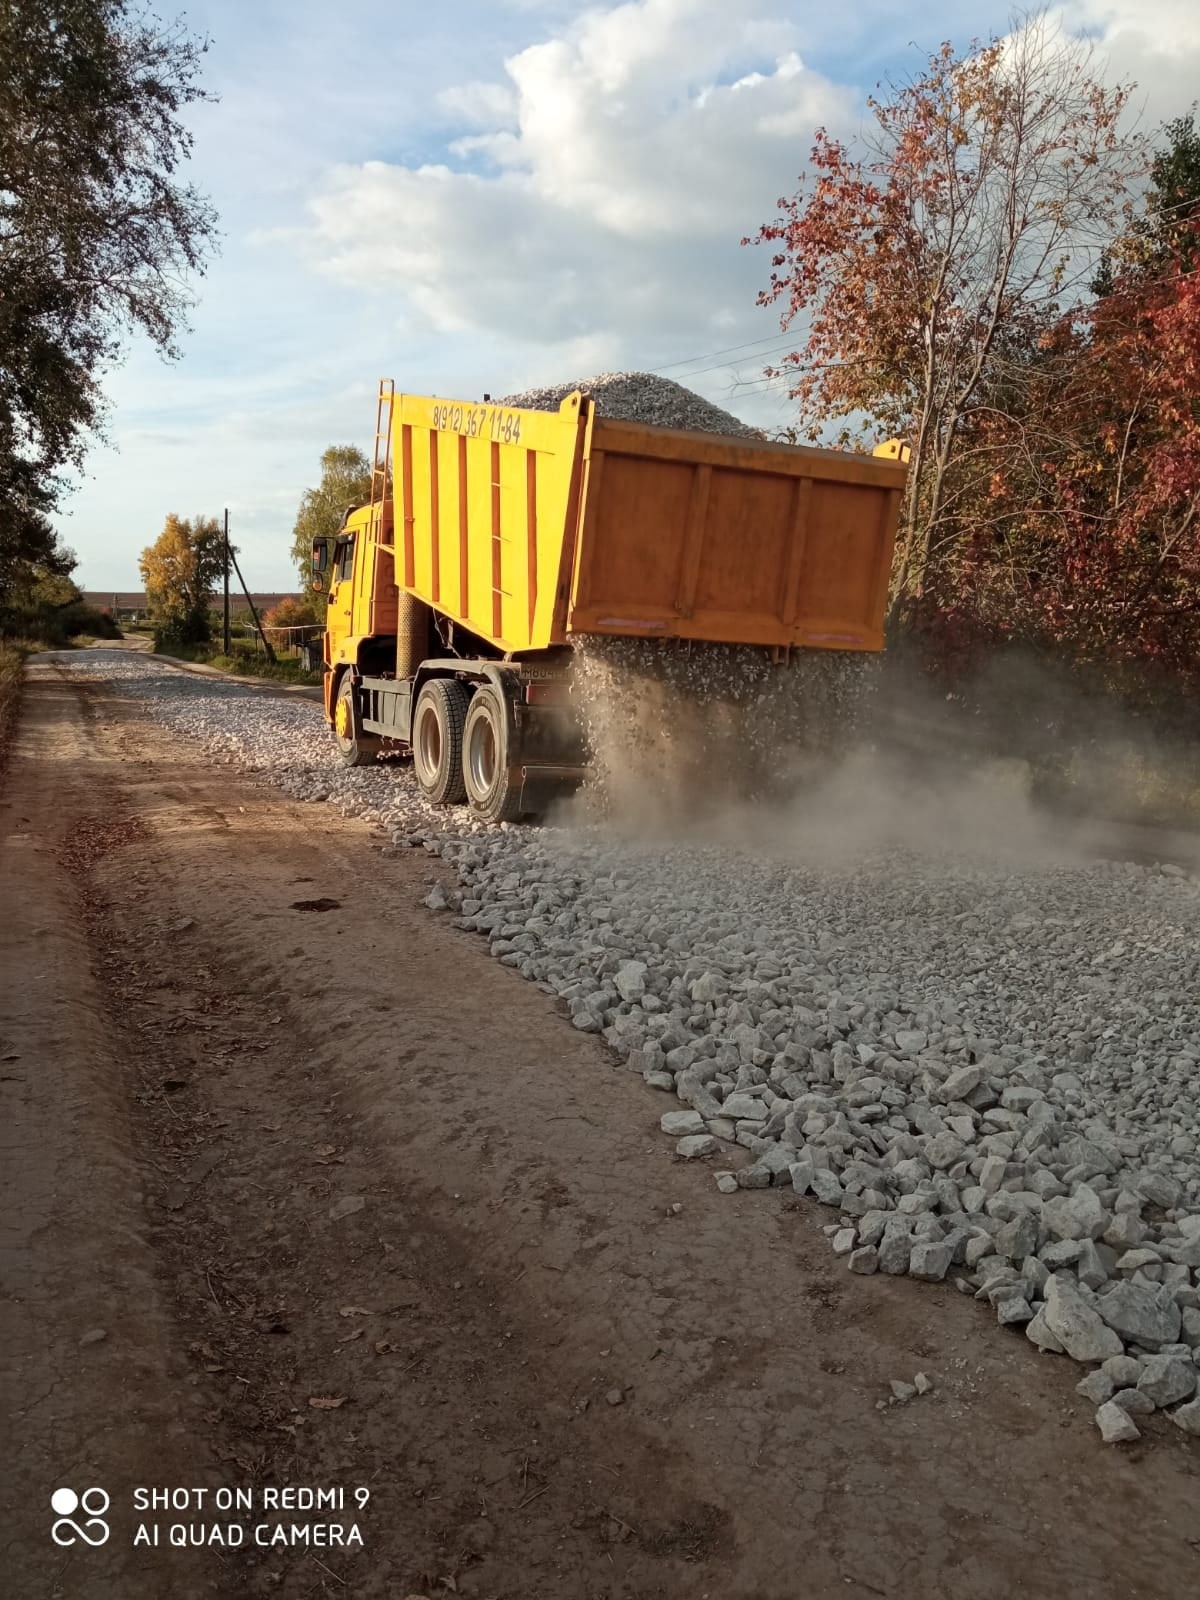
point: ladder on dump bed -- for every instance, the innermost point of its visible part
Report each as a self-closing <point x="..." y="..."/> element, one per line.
<point x="381" y="461"/>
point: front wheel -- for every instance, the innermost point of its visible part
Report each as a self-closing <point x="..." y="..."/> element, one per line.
<point x="355" y="749"/>
<point x="492" y="794"/>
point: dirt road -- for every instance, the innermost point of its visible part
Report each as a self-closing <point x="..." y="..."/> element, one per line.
<point x="303" y="1189"/>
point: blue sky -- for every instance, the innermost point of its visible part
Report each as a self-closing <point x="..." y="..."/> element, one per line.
<point x="476" y="197"/>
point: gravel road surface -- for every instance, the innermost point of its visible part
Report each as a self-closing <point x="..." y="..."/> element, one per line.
<point x="576" y="1365"/>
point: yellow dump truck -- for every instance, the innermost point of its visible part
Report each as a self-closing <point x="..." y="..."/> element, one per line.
<point x="496" y="537"/>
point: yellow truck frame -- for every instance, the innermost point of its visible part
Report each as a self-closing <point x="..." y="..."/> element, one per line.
<point x="494" y="536"/>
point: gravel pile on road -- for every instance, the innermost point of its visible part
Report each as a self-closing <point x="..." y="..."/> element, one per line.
<point x="987" y="1072"/>
<point x="638" y="397"/>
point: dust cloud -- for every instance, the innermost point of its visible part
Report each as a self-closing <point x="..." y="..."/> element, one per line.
<point x="828" y="758"/>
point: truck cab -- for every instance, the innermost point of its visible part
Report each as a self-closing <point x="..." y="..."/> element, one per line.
<point x="480" y="725"/>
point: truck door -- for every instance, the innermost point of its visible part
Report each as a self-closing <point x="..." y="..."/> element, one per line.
<point x="339" y="617"/>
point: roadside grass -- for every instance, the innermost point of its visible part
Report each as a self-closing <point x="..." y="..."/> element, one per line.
<point x="13" y="650"/>
<point x="246" y="662"/>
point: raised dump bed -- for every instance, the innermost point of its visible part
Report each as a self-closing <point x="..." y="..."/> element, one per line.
<point x="528" y="527"/>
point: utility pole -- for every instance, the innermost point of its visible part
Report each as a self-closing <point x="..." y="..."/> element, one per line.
<point x="270" y="654"/>
<point x="226" y="644"/>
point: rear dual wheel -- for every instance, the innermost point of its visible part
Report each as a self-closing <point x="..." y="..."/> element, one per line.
<point x="493" y="795"/>
<point x="437" y="740"/>
<point x="460" y="746"/>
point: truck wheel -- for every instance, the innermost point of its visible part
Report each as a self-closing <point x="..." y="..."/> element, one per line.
<point x="354" y="751"/>
<point x="437" y="741"/>
<point x="493" y="797"/>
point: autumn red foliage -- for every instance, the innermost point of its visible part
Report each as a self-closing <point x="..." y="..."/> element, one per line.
<point x="989" y="276"/>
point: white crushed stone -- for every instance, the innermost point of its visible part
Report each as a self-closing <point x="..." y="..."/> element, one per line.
<point x="638" y="397"/>
<point x="985" y="1068"/>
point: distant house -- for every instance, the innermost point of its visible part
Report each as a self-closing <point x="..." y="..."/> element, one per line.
<point x="129" y="605"/>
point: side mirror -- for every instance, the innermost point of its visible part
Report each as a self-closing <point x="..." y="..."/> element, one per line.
<point x="320" y="554"/>
<point x="318" y="583"/>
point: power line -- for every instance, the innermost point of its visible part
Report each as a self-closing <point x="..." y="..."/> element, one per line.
<point x="670" y="366"/>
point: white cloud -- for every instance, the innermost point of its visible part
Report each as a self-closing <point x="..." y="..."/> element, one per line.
<point x="626" y="157"/>
<point x="479" y="103"/>
<point x="1154" y="43"/>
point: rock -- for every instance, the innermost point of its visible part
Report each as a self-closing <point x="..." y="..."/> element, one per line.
<point x="630" y="980"/>
<point x="1116" y="1426"/>
<point x="346" y="1207"/>
<point x="992" y="1174"/>
<point x="1090" y="1268"/>
<point x="1018" y="1238"/>
<point x="744" y="1108"/>
<point x="1075" y="1325"/>
<point x="697" y="1145"/>
<point x="843" y="1241"/>
<point x="943" y="1150"/>
<point x="826" y="1187"/>
<point x="727" y="1182"/>
<point x="894" y="1250"/>
<point x="1079" y="1216"/>
<point x="1123" y="1370"/>
<point x="802" y="1174"/>
<point x="94" y="1336"/>
<point x="923" y="1383"/>
<point x="1014" y="1311"/>
<point x="930" y="1260"/>
<point x="1096" y="1387"/>
<point x="960" y="1083"/>
<point x="1139" y="1315"/>
<point x="1134" y="1401"/>
<point x="1167" y="1379"/>
<point x="1125" y="1231"/>
<point x="1158" y="1189"/>
<point x="709" y="986"/>
<point x="864" y="1260"/>
<point x="1188" y="1418"/>
<point x="1062" y="1253"/>
<point x="679" y="1123"/>
<point x="901" y="1391"/>
<point x="1038" y="1332"/>
<point x="615" y="1397"/>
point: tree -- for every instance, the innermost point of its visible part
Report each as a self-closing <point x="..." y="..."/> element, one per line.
<point x="291" y="613"/>
<point x="345" y="481"/>
<point x="929" y="269"/>
<point x="96" y="232"/>
<point x="180" y="572"/>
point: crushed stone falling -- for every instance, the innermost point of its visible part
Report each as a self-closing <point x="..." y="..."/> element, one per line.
<point x="676" y="727"/>
<point x="682" y="728"/>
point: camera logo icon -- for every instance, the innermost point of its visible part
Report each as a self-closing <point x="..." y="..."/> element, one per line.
<point x="93" y="1503"/>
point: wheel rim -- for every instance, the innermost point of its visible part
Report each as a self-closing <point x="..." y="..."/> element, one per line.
<point x="429" y="742"/>
<point x="341" y="719"/>
<point x="481" y="756"/>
